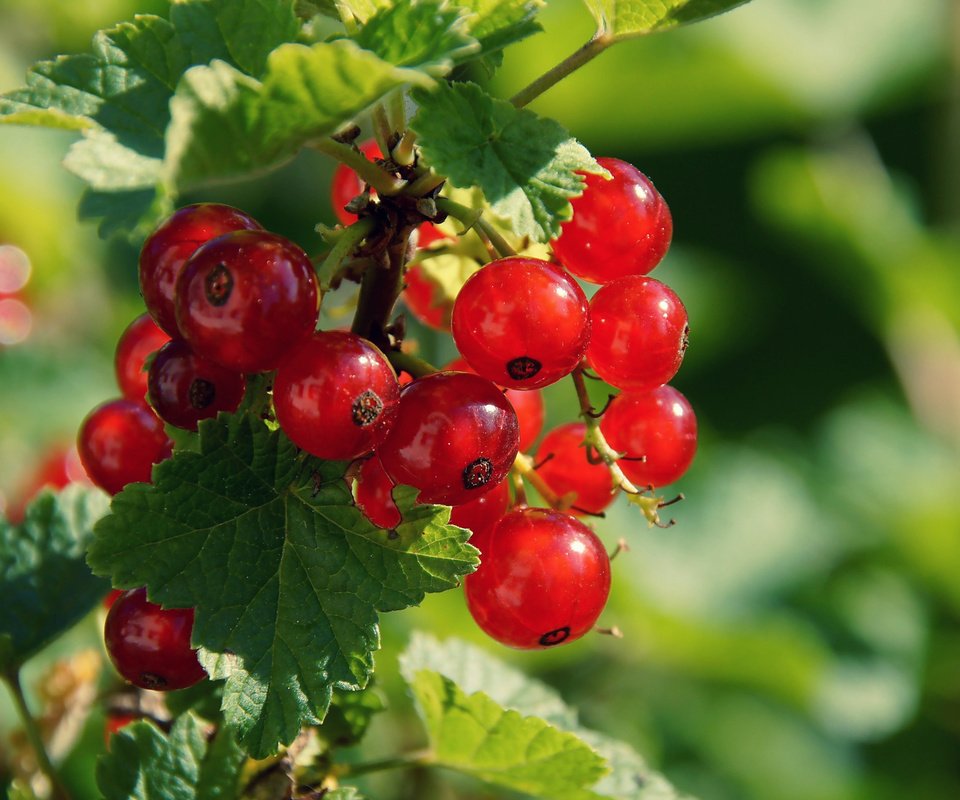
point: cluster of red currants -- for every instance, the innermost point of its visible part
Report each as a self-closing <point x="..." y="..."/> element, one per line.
<point x="227" y="299"/>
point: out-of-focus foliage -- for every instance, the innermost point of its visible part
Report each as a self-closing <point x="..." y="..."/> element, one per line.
<point x="795" y="636"/>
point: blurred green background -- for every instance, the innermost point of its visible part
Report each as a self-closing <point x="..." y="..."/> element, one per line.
<point x="795" y="636"/>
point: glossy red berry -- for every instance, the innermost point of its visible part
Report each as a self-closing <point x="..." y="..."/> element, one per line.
<point x="245" y="298"/>
<point x="528" y="405"/>
<point x="521" y="322"/>
<point x="166" y="250"/>
<point x="482" y="514"/>
<point x="111" y="597"/>
<point x="619" y="227"/>
<point x="639" y="335"/>
<point x="141" y="339"/>
<point x="374" y="496"/>
<point x="115" y="721"/>
<point x="58" y="467"/>
<point x="658" y="425"/>
<point x="419" y="295"/>
<point x="150" y="645"/>
<point x="564" y="467"/>
<point x="346" y="184"/>
<point x="119" y="442"/>
<point x="186" y="388"/>
<point x="543" y="580"/>
<point x="455" y="437"/>
<point x="336" y="395"/>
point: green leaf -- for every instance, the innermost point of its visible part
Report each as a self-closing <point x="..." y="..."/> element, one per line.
<point x="118" y="96"/>
<point x="526" y="166"/>
<point x="285" y="573"/>
<point x="495" y="24"/>
<point x="226" y="124"/>
<point x="40" y="559"/>
<point x="474" y="671"/>
<point x="142" y="763"/>
<point x="349" y="716"/>
<point x="623" y="19"/>
<point x="425" y="34"/>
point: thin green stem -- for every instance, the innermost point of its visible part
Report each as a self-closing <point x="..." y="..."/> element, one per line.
<point x="396" y="111"/>
<point x="417" y="367"/>
<point x="418" y="758"/>
<point x="58" y="790"/>
<point x="472" y="218"/>
<point x="426" y="183"/>
<point x="373" y="174"/>
<point x="403" y="154"/>
<point x="381" y="127"/>
<point x="346" y="243"/>
<point x="573" y="62"/>
<point x="595" y="439"/>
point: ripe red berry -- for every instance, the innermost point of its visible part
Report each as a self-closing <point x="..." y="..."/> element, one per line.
<point x="150" y="645"/>
<point x="336" y="395"/>
<point x="119" y="442"/>
<point x="186" y="388"/>
<point x="59" y="467"/>
<point x="639" y="333"/>
<point x="166" y="250"/>
<point x="374" y="496"/>
<point x="619" y="227"/>
<point x="455" y="437"/>
<point x="141" y="338"/>
<point x="245" y="298"/>
<point x="544" y="578"/>
<point x="115" y="721"/>
<point x="521" y="322"/>
<point x="565" y="468"/>
<point x="659" y="425"/>
<point x="482" y="514"/>
<point x="527" y="404"/>
<point x="419" y="295"/>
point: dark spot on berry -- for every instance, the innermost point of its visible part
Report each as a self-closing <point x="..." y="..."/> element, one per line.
<point x="558" y="636"/>
<point x="366" y="408"/>
<point x="685" y="339"/>
<point x="523" y="367"/>
<point x="392" y="534"/>
<point x="150" y="680"/>
<point x="219" y="285"/>
<point x="202" y="393"/>
<point x="477" y="473"/>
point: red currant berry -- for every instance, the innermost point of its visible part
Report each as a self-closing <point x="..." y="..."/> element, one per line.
<point x="115" y="722"/>
<point x="619" y="227"/>
<point x="455" y="437"/>
<point x="336" y="395"/>
<point x="659" y="426"/>
<point x="639" y="333"/>
<point x="245" y="298"/>
<point x="150" y="645"/>
<point x="170" y="245"/>
<point x="141" y="338"/>
<point x="482" y="514"/>
<point x="521" y="322"/>
<point x="419" y="295"/>
<point x="119" y="442"/>
<point x="374" y="496"/>
<point x="186" y="388"/>
<point x="543" y="579"/>
<point x="111" y="598"/>
<point x="565" y="468"/>
<point x="59" y="467"/>
<point x="528" y="405"/>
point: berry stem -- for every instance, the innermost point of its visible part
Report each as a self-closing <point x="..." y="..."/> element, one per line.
<point x="371" y="173"/>
<point x="600" y="42"/>
<point x="417" y="367"/>
<point x="472" y="218"/>
<point x="524" y="466"/>
<point x="403" y="154"/>
<point x="58" y="791"/>
<point x="346" y="243"/>
<point x="379" y="289"/>
<point x="381" y="127"/>
<point x="649" y="504"/>
<point x="426" y="183"/>
<point x="397" y="112"/>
